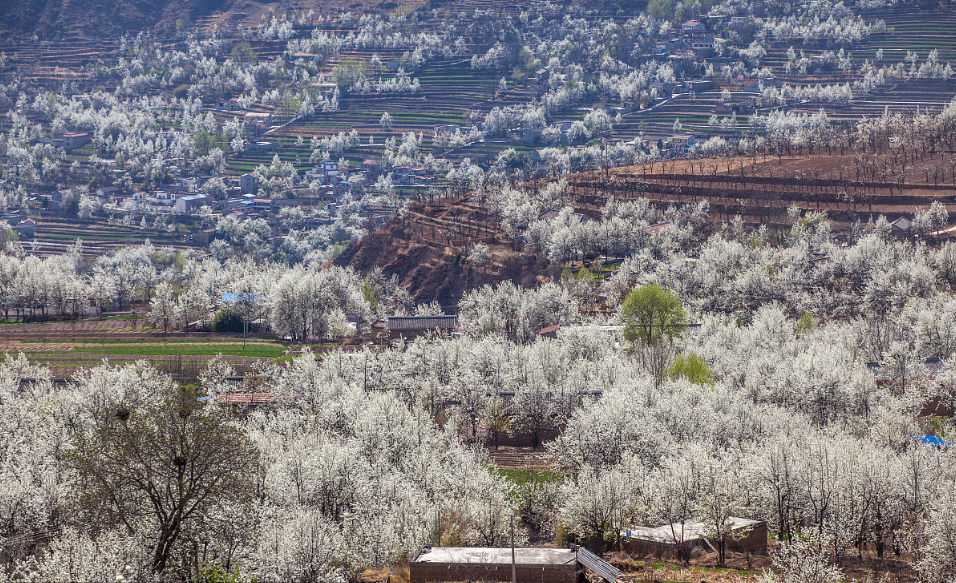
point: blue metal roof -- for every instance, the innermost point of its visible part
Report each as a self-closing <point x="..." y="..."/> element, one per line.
<point x="932" y="440"/>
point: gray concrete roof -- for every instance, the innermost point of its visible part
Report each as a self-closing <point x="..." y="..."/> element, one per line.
<point x="496" y="556"/>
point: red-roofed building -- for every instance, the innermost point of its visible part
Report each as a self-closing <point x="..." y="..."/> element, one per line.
<point x="550" y="331"/>
<point x="657" y="228"/>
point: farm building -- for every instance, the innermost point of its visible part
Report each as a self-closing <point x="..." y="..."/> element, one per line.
<point x="73" y="140"/>
<point x="527" y="565"/>
<point x="411" y="326"/>
<point x="900" y="225"/>
<point x="493" y="564"/>
<point x="751" y="536"/>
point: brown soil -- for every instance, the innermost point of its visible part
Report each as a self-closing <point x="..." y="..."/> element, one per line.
<point x="761" y="189"/>
<point x="428" y="248"/>
<point x="520" y="458"/>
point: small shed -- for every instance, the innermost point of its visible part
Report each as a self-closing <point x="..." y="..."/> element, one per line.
<point x="75" y="140"/>
<point x="494" y="564"/>
<point x="750" y="535"/>
<point x="413" y="326"/>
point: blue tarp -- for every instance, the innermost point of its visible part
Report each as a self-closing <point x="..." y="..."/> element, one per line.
<point x="932" y="440"/>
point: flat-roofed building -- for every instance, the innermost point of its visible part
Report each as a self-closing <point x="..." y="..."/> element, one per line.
<point x="493" y="564"/>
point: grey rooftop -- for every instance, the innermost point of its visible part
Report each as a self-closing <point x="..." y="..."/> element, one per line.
<point x="495" y="556"/>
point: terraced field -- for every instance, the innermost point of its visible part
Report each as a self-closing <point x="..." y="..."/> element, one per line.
<point x="56" y="235"/>
<point x="762" y="190"/>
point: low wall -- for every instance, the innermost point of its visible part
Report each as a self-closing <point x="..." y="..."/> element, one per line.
<point x="429" y="572"/>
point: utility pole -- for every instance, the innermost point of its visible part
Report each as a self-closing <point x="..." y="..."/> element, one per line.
<point x="514" y="570"/>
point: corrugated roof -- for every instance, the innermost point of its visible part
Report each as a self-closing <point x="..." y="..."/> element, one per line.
<point x="598" y="565"/>
<point x="421" y="322"/>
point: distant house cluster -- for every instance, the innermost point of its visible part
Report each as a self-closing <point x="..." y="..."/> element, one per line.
<point x="693" y="36"/>
<point x="24" y="228"/>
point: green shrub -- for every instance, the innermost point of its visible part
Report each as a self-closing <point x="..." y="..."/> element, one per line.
<point x="227" y="320"/>
<point x="692" y="368"/>
<point x="807" y="323"/>
<point x="216" y="574"/>
<point x="564" y="537"/>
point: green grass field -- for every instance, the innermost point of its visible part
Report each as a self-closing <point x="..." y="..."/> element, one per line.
<point x="521" y="477"/>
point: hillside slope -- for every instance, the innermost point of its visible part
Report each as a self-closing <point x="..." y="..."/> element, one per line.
<point x="58" y="20"/>
<point x="109" y="19"/>
<point x="433" y="271"/>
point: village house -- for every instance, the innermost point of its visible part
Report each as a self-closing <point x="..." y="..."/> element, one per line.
<point x="203" y="237"/>
<point x="262" y="204"/>
<point x="230" y="104"/>
<point x="25" y="229"/>
<point x="699" y="85"/>
<point x="248" y="183"/>
<point x="329" y="168"/>
<point x="324" y="88"/>
<point x="371" y="168"/>
<point x="75" y="140"/>
<point x="235" y="203"/>
<point x="409" y="175"/>
<point x="162" y="198"/>
<point x="447" y="129"/>
<point x="191" y="203"/>
<point x="333" y="192"/>
<point x="743" y="106"/>
<point x="564" y="125"/>
<point x="681" y="142"/>
<point x="106" y="192"/>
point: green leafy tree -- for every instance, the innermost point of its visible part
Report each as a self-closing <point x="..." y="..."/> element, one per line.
<point x="170" y="466"/>
<point x="692" y="368"/>
<point x="204" y="142"/>
<point x="661" y="9"/>
<point x="71" y="205"/>
<point x="651" y="313"/>
<point x="807" y="323"/>
<point x="243" y="53"/>
<point x="368" y="292"/>
<point x="227" y="320"/>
